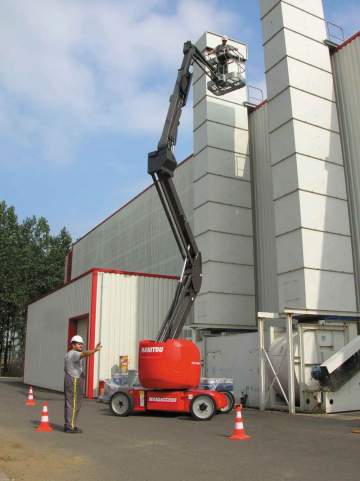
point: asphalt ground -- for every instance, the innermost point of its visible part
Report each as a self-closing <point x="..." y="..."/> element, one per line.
<point x="170" y="447"/>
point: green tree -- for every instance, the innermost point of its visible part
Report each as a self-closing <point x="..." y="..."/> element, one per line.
<point x="31" y="265"/>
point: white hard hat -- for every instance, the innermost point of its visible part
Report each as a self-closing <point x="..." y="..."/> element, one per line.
<point x="78" y="339"/>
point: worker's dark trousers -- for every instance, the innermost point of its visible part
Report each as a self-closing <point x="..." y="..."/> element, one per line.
<point x="73" y="390"/>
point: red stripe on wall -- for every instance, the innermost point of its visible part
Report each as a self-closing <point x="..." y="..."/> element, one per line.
<point x="109" y="271"/>
<point x="349" y="40"/>
<point x="130" y="273"/>
<point x="261" y="104"/>
<point x="71" y="331"/>
<point x="90" y="376"/>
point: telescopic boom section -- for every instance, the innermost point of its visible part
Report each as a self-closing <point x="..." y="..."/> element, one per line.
<point x="162" y="164"/>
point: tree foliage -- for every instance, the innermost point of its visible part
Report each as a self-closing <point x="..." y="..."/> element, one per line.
<point x="31" y="265"/>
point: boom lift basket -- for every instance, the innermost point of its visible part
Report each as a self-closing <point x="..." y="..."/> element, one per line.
<point x="230" y="70"/>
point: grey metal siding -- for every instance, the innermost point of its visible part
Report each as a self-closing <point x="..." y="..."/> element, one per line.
<point x="137" y="237"/>
<point x="47" y="332"/>
<point x="346" y="68"/>
<point x="264" y="216"/>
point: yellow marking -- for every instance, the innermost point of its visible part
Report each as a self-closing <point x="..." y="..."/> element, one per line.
<point x="74" y="402"/>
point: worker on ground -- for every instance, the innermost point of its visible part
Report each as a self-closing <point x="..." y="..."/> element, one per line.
<point x="74" y="381"/>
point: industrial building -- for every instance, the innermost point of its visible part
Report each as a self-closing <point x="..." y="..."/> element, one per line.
<point x="118" y="307"/>
<point x="271" y="192"/>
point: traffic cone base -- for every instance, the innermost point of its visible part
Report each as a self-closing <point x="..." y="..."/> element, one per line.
<point x="44" y="426"/>
<point x="239" y="437"/>
<point x="30" y="399"/>
<point x="239" y="433"/>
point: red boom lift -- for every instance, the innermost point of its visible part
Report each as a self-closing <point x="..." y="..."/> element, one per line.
<point x="169" y="368"/>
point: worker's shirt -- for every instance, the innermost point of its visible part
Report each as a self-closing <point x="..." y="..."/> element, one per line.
<point x="73" y="363"/>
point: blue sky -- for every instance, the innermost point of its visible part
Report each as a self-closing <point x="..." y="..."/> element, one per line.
<point x="84" y="87"/>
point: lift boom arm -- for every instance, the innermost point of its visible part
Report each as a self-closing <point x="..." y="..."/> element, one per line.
<point x="161" y="167"/>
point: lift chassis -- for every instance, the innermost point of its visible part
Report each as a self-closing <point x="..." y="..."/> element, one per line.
<point x="200" y="403"/>
<point x="169" y="368"/>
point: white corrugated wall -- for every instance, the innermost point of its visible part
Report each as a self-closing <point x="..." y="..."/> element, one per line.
<point x="138" y="237"/>
<point x="47" y="332"/>
<point x="346" y="68"/>
<point x="264" y="216"/>
<point x="129" y="308"/>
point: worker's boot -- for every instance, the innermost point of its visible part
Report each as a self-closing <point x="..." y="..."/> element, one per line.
<point x="75" y="430"/>
<point x="356" y="430"/>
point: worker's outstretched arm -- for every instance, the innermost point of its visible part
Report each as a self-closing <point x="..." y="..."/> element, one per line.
<point x="91" y="352"/>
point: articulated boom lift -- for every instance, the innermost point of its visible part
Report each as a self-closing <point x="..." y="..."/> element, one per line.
<point x="169" y="368"/>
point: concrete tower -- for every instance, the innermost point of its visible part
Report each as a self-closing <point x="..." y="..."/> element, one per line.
<point x="222" y="202"/>
<point x="314" y="254"/>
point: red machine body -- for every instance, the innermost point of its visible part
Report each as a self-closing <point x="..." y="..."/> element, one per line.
<point x="173" y="364"/>
<point x="169" y="373"/>
<point x="174" y="401"/>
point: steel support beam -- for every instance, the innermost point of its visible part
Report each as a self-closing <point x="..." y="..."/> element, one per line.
<point x="291" y="373"/>
<point x="262" y="367"/>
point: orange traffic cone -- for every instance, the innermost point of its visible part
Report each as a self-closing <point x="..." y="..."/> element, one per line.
<point x="239" y="433"/>
<point x="30" y="399"/>
<point x="44" y="426"/>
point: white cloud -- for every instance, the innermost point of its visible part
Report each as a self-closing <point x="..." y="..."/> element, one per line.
<point x="71" y="66"/>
